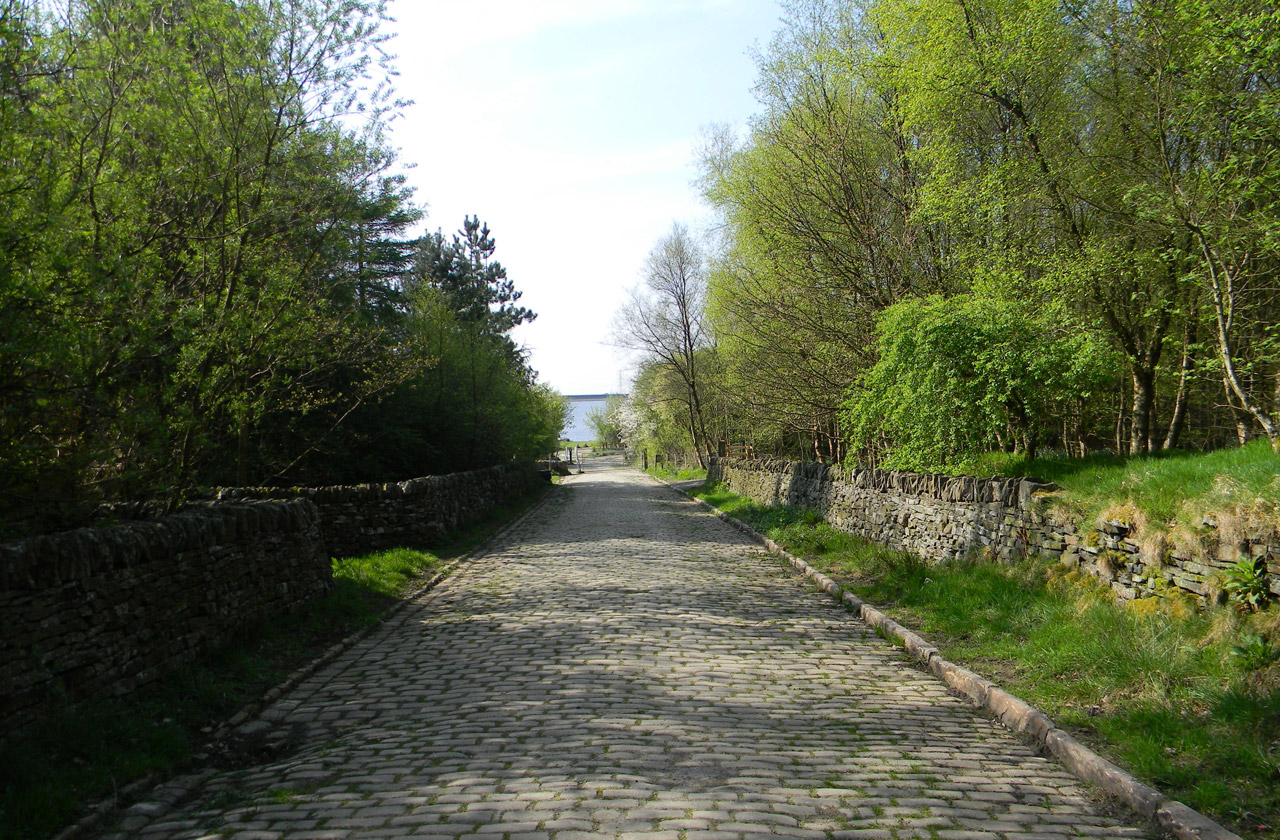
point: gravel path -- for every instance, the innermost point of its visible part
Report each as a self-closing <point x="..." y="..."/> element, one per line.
<point x="624" y="665"/>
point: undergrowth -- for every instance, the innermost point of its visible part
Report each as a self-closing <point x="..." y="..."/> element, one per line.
<point x="1153" y="685"/>
<point x="80" y="755"/>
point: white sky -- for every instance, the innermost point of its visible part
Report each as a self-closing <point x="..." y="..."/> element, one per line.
<point x="572" y="127"/>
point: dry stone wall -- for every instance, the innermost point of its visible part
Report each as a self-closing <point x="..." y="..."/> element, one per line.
<point x="98" y="612"/>
<point x="943" y="517"/>
<point x="360" y="518"/>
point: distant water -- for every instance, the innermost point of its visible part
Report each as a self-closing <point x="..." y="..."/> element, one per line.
<point x="578" y="408"/>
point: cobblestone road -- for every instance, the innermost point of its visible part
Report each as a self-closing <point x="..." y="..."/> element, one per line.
<point x="624" y="665"/>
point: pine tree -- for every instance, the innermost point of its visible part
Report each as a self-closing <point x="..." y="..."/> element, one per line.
<point x="475" y="285"/>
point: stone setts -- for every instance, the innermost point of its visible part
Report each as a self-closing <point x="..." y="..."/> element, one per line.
<point x="99" y="612"/>
<point x="944" y="517"/>
<point x="621" y="665"/>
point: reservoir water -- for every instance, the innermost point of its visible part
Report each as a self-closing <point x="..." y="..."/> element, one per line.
<point x="579" y="404"/>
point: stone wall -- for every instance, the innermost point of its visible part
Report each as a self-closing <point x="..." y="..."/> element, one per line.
<point x="102" y="611"/>
<point x="360" y="518"/>
<point x="943" y="517"/>
<point x="97" y="612"/>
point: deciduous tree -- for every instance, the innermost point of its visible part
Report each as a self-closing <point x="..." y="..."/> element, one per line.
<point x="664" y="321"/>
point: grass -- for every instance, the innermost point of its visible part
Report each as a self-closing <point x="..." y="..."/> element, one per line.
<point x="385" y="573"/>
<point x="1154" y="688"/>
<point x="669" y="473"/>
<point x="1166" y="488"/>
<point x="84" y="754"/>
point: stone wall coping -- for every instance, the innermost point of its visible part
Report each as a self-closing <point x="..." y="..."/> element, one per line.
<point x="359" y="492"/>
<point x="1009" y="491"/>
<point x="52" y="559"/>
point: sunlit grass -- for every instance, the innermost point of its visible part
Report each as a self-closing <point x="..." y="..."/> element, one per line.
<point x="1167" y="487"/>
<point x="386" y="572"/>
<point x="668" y="473"/>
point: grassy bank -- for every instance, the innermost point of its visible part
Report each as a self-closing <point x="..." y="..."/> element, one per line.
<point x="86" y="754"/>
<point x="1186" y="698"/>
<point x="1165" y="490"/>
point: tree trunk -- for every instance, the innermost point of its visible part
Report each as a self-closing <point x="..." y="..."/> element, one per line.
<point x="1179" y="418"/>
<point x="693" y="430"/>
<point x="1243" y="432"/>
<point x="1120" y="415"/>
<point x="242" y="454"/>
<point x="1144" y="393"/>
<point x="1223" y="295"/>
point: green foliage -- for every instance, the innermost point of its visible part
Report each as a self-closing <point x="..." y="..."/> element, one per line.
<point x="676" y="401"/>
<point x="1254" y="652"/>
<point x="604" y="423"/>
<point x="819" y="204"/>
<point x="655" y="415"/>
<point x="204" y="259"/>
<point x="1247" y="583"/>
<point x="188" y="279"/>
<point x="1107" y="175"/>
<point x="475" y="286"/>
<point x="958" y="376"/>
<point x="475" y="402"/>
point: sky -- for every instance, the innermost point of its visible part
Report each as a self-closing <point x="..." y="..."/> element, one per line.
<point x="573" y="128"/>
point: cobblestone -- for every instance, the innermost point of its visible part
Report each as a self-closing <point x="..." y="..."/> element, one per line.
<point x="623" y="665"/>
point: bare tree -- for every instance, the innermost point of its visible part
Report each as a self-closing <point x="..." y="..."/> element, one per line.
<point x="664" y="320"/>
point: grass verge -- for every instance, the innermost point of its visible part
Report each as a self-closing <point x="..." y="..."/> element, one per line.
<point x="669" y="473"/>
<point x="84" y="754"/>
<point x="1165" y="691"/>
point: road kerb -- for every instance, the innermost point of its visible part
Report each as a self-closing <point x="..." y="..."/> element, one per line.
<point x="1014" y="713"/>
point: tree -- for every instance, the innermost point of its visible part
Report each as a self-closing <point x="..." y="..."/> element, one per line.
<point x="665" y="321"/>
<point x="604" y="422"/>
<point x="958" y="376"/>
<point x="1019" y="129"/>
<point x="195" y="198"/>
<point x="655" y="416"/>
<point x="476" y="287"/>
<point x="1113" y="163"/>
<point x="1210" y="177"/>
<point x="822" y="226"/>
